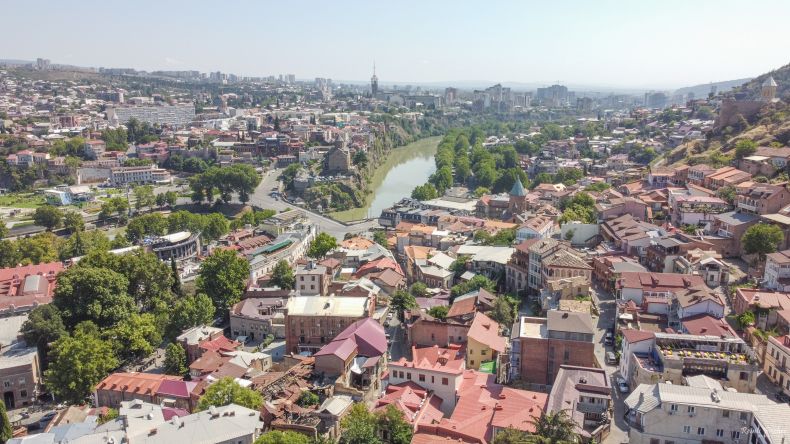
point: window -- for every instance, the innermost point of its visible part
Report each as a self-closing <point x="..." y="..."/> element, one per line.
<point x="23" y="394"/>
<point x="725" y="414"/>
<point x="408" y="376"/>
<point x="666" y="441"/>
<point x="471" y="352"/>
<point x="566" y="355"/>
<point x="421" y="377"/>
<point x="692" y="409"/>
<point x="686" y="429"/>
<point x="432" y="379"/>
<point x="700" y="430"/>
<point x="445" y="381"/>
<point x="483" y="352"/>
<point x="6" y="384"/>
<point x="655" y="441"/>
<point x="744" y="376"/>
<point x="673" y="407"/>
<point x="735" y="434"/>
<point x="719" y="433"/>
<point x="472" y="362"/>
<point x="22" y="381"/>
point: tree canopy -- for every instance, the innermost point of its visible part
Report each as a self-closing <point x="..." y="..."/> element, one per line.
<point x="283" y="275"/>
<point x="761" y="239"/>
<point x="227" y="391"/>
<point x="321" y="245"/>
<point x="223" y="277"/>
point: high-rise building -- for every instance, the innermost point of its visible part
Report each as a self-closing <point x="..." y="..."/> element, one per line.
<point x="374" y="82"/>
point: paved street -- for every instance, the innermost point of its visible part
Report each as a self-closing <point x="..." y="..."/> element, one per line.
<point x="398" y="347"/>
<point x="607" y="309"/>
<point x="262" y="199"/>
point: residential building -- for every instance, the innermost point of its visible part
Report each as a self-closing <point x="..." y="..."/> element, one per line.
<point x="119" y="387"/>
<point x="539" y="346"/>
<point x="771" y="309"/>
<point x="256" y="318"/>
<point x="483" y="410"/>
<point x="484" y="344"/>
<point x="313" y="321"/>
<point x="563" y="289"/>
<point x="312" y="279"/>
<point x="139" y="175"/>
<point x="725" y="176"/>
<point x="517" y="268"/>
<point x="777" y="271"/>
<point x="20" y="373"/>
<point x="539" y="227"/>
<point x="661" y="413"/>
<point x="437" y="369"/>
<point x="775" y="363"/>
<point x="585" y="394"/>
<point x="648" y="357"/>
<point x="177" y="115"/>
<point x="192" y="338"/>
<point x="761" y="198"/>
<point x="356" y="356"/>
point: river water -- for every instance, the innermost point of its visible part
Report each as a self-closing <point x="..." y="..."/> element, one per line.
<point x="405" y="168"/>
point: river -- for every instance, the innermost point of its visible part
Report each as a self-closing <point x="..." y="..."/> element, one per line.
<point x="405" y="168"/>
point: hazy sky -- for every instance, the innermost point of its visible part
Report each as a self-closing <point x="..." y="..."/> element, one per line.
<point x="635" y="43"/>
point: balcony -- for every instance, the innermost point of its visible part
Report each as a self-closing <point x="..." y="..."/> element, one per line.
<point x="747" y="207"/>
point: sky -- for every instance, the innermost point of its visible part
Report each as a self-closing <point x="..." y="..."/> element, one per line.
<point x="625" y="44"/>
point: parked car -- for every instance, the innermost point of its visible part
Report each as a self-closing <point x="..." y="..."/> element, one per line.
<point x="46" y="418"/>
<point x="622" y="385"/>
<point x="611" y="358"/>
<point x="609" y="338"/>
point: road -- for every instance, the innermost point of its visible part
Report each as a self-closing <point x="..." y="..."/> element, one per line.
<point x="607" y="311"/>
<point x="262" y="199"/>
<point x="398" y="347"/>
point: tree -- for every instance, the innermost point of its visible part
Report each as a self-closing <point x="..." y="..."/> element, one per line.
<point x="401" y="301"/>
<point x="3" y="229"/>
<point x="175" y="360"/>
<point x="48" y="217"/>
<point x="424" y="192"/>
<point x="189" y="312"/>
<point x="5" y="425"/>
<point x="442" y="179"/>
<point x="176" y="287"/>
<point x="321" y="245"/>
<point x="153" y="224"/>
<point x="144" y="196"/>
<point x="92" y="294"/>
<point x="762" y="239"/>
<point x="504" y="311"/>
<point x="745" y="148"/>
<point x="215" y="225"/>
<point x="418" y="289"/>
<point x="396" y="428"/>
<point x="380" y="237"/>
<point x="83" y="242"/>
<point x="477" y="282"/>
<point x="439" y="312"/>
<point x="727" y="194"/>
<point x="556" y="427"/>
<point x="227" y="391"/>
<point x="78" y="363"/>
<point x="73" y="221"/>
<point x="745" y="319"/>
<point x="286" y="437"/>
<point x="43" y="326"/>
<point x="511" y="436"/>
<point x="135" y="336"/>
<point x="307" y="399"/>
<point x="223" y="276"/>
<point x="283" y="275"/>
<point x="360" y="426"/>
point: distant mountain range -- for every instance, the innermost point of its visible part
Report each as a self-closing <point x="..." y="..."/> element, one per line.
<point x="701" y="91"/>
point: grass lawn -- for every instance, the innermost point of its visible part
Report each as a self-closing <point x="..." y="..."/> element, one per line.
<point x="22" y="200"/>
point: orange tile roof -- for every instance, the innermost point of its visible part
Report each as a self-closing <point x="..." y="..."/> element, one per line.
<point x="486" y="331"/>
<point x="138" y="383"/>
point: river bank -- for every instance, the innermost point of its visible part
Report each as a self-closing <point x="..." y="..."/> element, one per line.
<point x="405" y="168"/>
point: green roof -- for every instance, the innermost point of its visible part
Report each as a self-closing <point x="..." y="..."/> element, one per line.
<point x="488" y="367"/>
<point x="274" y="247"/>
<point x="518" y="189"/>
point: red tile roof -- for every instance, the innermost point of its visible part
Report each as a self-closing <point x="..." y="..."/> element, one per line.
<point x="704" y="324"/>
<point x="29" y="285"/>
<point x="632" y="336"/>
<point x="486" y="331"/>
<point x="137" y="383"/>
